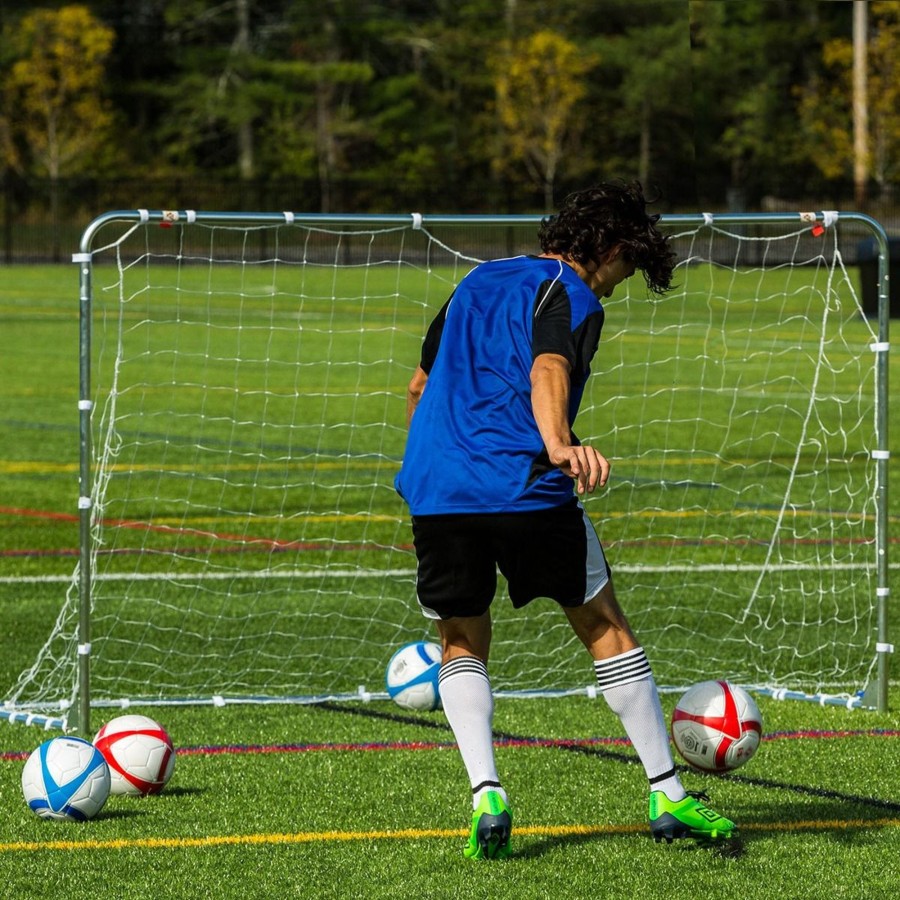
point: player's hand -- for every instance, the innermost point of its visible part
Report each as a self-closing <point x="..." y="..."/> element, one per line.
<point x="586" y="465"/>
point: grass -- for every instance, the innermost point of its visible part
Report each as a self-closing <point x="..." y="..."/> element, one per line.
<point x="340" y="822"/>
<point x="360" y="799"/>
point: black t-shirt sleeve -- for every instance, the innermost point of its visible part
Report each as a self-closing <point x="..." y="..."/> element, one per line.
<point x="433" y="339"/>
<point x="552" y="328"/>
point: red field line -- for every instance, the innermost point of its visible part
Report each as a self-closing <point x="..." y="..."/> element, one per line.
<point x="378" y="746"/>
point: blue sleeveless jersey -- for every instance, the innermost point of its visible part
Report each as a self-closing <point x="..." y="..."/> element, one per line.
<point x="473" y="443"/>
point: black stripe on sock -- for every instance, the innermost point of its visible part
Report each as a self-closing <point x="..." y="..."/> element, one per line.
<point x="657" y="778"/>
<point x="485" y="784"/>
<point x="633" y="667"/>
<point x="463" y="665"/>
<point x="623" y="661"/>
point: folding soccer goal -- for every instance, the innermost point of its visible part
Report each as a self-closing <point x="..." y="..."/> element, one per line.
<point x="242" y="414"/>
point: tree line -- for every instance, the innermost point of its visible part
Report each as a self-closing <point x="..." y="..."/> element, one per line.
<point x="451" y="105"/>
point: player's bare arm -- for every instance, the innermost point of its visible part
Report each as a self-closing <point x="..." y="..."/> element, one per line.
<point x="550" y="385"/>
<point x="414" y="392"/>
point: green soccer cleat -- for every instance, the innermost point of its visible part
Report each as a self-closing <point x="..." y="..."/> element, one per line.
<point x="491" y="829"/>
<point x="687" y="818"/>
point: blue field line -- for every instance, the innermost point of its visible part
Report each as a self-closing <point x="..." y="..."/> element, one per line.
<point x="191" y="439"/>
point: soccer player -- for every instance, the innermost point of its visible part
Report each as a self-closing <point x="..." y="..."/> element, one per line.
<point x="488" y="473"/>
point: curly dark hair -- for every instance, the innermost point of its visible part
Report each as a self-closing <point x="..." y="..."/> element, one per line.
<point x="591" y="222"/>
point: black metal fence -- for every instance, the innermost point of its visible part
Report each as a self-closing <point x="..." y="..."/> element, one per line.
<point x="42" y="221"/>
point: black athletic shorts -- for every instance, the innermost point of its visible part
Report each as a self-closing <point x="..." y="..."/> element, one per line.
<point x="551" y="553"/>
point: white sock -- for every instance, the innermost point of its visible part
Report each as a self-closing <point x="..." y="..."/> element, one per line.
<point x="468" y="703"/>
<point x="628" y="687"/>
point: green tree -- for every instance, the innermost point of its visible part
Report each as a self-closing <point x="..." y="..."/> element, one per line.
<point x="746" y="67"/>
<point x="452" y="104"/>
<point x="540" y="82"/>
<point x="825" y="104"/>
<point x="216" y="93"/>
<point x="328" y="70"/>
<point x="455" y="117"/>
<point x="643" y="96"/>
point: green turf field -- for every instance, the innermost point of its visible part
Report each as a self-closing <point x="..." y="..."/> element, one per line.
<point x="360" y="799"/>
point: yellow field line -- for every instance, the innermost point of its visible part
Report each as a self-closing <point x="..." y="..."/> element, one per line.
<point x="16" y="467"/>
<point x="28" y="467"/>
<point x="412" y="834"/>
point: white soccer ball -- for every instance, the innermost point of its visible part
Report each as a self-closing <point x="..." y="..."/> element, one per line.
<point x="412" y="676"/>
<point x="716" y="726"/>
<point x="66" y="778"/>
<point x="139" y="752"/>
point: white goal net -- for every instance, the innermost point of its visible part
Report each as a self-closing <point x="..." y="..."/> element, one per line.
<point x="247" y="379"/>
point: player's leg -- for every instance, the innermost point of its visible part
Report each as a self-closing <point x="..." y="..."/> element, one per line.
<point x="457" y="578"/>
<point x="467" y="698"/>
<point x="468" y="703"/>
<point x="568" y="564"/>
<point x="556" y="553"/>
<point x="624" y="676"/>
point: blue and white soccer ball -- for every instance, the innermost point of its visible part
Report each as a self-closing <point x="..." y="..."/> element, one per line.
<point x="66" y="778"/>
<point x="412" y="676"/>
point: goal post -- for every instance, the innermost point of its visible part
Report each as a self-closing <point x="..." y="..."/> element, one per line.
<point x="242" y="415"/>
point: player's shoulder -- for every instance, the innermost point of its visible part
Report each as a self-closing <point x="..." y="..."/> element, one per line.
<point x="548" y="275"/>
<point x="526" y="268"/>
<point x="529" y="261"/>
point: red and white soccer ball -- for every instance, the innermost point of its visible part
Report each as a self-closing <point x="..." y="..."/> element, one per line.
<point x="139" y="753"/>
<point x="716" y="726"/>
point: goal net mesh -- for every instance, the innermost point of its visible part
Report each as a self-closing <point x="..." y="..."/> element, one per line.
<point x="249" y="417"/>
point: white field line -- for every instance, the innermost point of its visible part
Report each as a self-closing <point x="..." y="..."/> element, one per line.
<point x="411" y="573"/>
